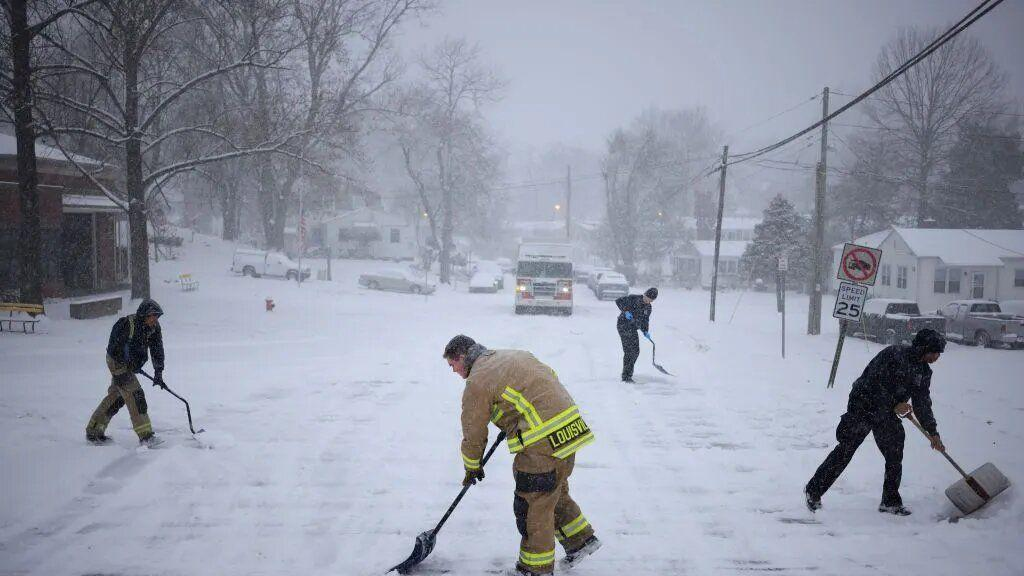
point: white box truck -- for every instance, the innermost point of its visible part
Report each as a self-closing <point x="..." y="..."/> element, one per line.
<point x="544" y="278"/>
<point x="256" y="263"/>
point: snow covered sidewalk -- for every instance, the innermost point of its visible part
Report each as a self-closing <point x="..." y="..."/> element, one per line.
<point x="333" y="429"/>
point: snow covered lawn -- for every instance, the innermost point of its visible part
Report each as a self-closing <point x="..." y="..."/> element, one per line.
<point x="333" y="428"/>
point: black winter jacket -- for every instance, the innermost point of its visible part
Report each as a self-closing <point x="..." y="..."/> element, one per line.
<point x="894" y="375"/>
<point x="634" y="303"/>
<point x="131" y="340"/>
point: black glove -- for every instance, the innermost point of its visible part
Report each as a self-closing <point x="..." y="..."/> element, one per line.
<point x="158" y="379"/>
<point x="472" y="476"/>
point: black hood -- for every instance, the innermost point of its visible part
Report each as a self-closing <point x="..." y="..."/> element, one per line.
<point x="149" y="307"/>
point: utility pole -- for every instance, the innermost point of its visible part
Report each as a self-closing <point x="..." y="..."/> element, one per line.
<point x="568" y="202"/>
<point x="814" y="306"/>
<point x="718" y="228"/>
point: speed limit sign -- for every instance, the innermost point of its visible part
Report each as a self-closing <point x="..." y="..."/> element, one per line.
<point x="850" y="301"/>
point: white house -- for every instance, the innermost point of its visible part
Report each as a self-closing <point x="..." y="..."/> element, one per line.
<point x="935" y="266"/>
<point x="369" y="233"/>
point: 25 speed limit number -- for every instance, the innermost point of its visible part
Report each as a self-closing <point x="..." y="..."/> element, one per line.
<point x="850" y="301"/>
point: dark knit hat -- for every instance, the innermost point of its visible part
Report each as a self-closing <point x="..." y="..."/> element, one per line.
<point x="928" y="340"/>
<point x="652" y="293"/>
<point x="458" y="346"/>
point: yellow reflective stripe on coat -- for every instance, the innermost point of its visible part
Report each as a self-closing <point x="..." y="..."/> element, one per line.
<point x="144" y="428"/>
<point x="523" y="406"/>
<point x="470" y="463"/>
<point x="131" y="327"/>
<point x="572" y="528"/>
<point x="534" y="434"/>
<point x="496" y="413"/>
<point x="541" y="559"/>
<point x="574" y="446"/>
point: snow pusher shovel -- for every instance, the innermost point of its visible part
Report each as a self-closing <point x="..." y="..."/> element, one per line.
<point x="188" y="411"/>
<point x="976" y="489"/>
<point x="654" y="350"/>
<point x="425" y="541"/>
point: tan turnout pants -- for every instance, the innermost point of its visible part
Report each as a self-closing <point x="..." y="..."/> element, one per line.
<point x="124" y="391"/>
<point x="545" y="511"/>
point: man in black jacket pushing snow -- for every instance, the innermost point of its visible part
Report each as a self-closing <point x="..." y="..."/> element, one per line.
<point x="635" y="315"/>
<point x="132" y="338"/>
<point x="878" y="398"/>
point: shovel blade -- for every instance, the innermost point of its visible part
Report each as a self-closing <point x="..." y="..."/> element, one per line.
<point x="987" y="482"/>
<point x="424" y="546"/>
<point x="662" y="370"/>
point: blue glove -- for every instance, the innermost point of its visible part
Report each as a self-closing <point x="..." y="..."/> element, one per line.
<point x="628" y="315"/>
<point x="647" y="335"/>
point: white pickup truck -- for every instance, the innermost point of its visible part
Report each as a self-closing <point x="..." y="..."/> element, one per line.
<point x="984" y="323"/>
<point x="256" y="263"/>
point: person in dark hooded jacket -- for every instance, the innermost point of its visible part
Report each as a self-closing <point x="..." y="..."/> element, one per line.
<point x="896" y="375"/>
<point x="132" y="339"/>
<point x="635" y="314"/>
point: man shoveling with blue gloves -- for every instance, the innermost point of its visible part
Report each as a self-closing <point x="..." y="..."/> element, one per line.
<point x="635" y="315"/>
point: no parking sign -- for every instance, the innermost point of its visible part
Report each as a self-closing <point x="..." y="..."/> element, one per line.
<point x="859" y="264"/>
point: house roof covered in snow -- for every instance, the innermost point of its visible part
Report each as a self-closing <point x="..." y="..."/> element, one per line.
<point x="728" y="249"/>
<point x="728" y="222"/>
<point x="363" y="217"/>
<point x="9" y="147"/>
<point x="956" y="246"/>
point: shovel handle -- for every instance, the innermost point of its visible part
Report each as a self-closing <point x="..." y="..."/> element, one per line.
<point x="494" y="446"/>
<point x="910" y="416"/>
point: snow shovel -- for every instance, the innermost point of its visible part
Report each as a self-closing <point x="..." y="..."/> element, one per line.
<point x="654" y="350"/>
<point x="425" y="541"/>
<point x="188" y="411"/>
<point x="976" y="489"/>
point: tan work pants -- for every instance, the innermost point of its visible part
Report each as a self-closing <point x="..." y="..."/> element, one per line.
<point x="124" y="391"/>
<point x="545" y="511"/>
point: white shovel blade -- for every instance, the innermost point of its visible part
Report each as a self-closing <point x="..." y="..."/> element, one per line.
<point x="967" y="499"/>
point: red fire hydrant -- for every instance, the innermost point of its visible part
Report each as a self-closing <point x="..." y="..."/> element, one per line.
<point x="270" y="304"/>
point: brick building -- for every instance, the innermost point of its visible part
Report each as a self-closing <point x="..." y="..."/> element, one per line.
<point x="84" y="233"/>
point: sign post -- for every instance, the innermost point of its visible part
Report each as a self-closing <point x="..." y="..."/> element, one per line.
<point x="858" y="268"/>
<point x="783" y="268"/>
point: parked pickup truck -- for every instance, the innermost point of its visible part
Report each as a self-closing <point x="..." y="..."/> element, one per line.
<point x="893" y="321"/>
<point x="982" y="323"/>
<point x="256" y="263"/>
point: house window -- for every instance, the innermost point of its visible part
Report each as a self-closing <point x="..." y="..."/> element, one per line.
<point x="396" y="236"/>
<point x="886" y="275"/>
<point x="901" y="277"/>
<point x="947" y="280"/>
<point x="953" y="286"/>
<point x="1018" y="278"/>
<point x="939" y="286"/>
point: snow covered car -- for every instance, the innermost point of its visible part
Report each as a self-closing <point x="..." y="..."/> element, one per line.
<point x="894" y="321"/>
<point x="984" y="323"/>
<point x="611" y="285"/>
<point x="257" y="263"/>
<point x="484" y="281"/>
<point x="395" y="280"/>
<point x="594" y="276"/>
<point x="486" y="268"/>
<point x="1015" y="307"/>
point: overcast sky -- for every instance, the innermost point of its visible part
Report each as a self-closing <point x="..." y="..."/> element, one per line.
<point x="578" y="69"/>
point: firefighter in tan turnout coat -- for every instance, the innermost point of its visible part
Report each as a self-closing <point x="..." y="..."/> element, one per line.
<point x="523" y="397"/>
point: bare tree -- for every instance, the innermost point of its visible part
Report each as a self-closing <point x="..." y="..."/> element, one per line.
<point x="649" y="175"/>
<point x="121" y="78"/>
<point x="447" y="152"/>
<point x="346" y="64"/>
<point x="924" y="105"/>
<point x="18" y="101"/>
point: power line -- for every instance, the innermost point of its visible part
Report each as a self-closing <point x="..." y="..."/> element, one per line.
<point x="767" y="120"/>
<point x="973" y="16"/>
<point x="885" y="99"/>
<point x="889" y="129"/>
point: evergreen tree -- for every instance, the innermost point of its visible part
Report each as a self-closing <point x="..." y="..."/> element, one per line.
<point x="782" y="231"/>
<point x="975" y="191"/>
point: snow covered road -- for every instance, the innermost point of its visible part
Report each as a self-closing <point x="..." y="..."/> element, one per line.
<point x="333" y="429"/>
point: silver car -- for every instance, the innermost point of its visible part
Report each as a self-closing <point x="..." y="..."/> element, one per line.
<point x="396" y="281"/>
